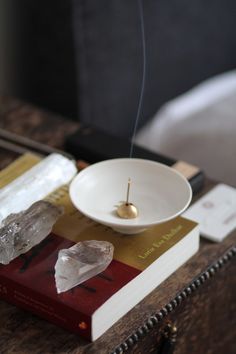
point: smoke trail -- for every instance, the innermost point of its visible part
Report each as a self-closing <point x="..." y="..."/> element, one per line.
<point x="140" y="3"/>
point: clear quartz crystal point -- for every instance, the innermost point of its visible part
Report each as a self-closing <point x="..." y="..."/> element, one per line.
<point x="81" y="262"/>
<point x="21" y="231"/>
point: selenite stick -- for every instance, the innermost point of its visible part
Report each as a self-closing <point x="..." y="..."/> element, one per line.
<point x="35" y="184"/>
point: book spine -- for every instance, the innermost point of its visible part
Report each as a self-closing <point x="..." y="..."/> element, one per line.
<point x="39" y="304"/>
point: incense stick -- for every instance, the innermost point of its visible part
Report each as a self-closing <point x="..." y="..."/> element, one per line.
<point x="20" y="144"/>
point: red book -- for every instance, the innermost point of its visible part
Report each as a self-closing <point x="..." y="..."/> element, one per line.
<point x="141" y="262"/>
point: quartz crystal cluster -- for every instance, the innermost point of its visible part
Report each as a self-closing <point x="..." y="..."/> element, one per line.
<point x="81" y="262"/>
<point x="20" y="232"/>
<point x="35" y="184"/>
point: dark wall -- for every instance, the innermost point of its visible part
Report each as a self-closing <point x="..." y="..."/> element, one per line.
<point x="187" y="42"/>
<point x="46" y="63"/>
<point x="100" y="72"/>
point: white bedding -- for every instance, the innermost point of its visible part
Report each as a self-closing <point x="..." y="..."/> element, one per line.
<point x="199" y="127"/>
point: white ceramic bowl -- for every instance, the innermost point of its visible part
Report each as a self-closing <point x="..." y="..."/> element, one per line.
<point x="159" y="192"/>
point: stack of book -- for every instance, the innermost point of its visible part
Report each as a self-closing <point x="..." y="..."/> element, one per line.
<point x="141" y="263"/>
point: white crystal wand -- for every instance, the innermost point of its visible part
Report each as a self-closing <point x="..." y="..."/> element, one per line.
<point x="35" y="184"/>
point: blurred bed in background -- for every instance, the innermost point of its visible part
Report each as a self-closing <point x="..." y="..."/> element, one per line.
<point x="199" y="127"/>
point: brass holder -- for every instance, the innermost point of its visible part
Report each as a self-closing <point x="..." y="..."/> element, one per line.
<point x="127" y="210"/>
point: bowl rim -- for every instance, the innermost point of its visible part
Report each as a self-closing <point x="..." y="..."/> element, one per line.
<point x="130" y="223"/>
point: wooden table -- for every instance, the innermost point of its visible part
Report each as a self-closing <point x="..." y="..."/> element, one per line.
<point x="199" y="298"/>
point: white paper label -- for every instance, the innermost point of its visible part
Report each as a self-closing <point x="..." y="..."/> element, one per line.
<point x="215" y="212"/>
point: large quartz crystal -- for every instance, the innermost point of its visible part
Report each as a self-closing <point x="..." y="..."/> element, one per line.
<point x="80" y="262"/>
<point x="21" y="231"/>
<point x="35" y="184"/>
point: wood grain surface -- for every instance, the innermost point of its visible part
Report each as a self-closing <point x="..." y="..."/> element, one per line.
<point x="205" y="317"/>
